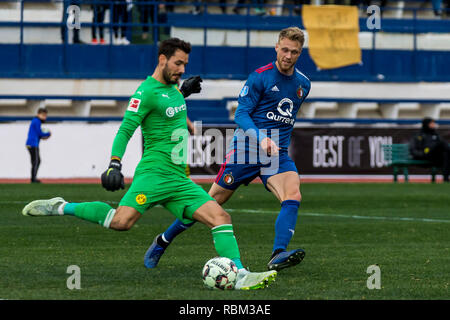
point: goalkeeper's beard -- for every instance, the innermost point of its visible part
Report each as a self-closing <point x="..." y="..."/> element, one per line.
<point x="167" y="76"/>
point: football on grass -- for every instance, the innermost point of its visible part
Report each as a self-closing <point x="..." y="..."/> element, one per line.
<point x="220" y="273"/>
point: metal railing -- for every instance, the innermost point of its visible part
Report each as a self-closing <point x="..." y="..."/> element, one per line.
<point x="173" y="16"/>
<point x="248" y="21"/>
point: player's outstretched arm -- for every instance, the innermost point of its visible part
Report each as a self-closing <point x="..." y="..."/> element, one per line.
<point x="112" y="178"/>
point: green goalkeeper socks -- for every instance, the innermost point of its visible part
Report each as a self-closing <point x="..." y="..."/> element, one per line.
<point x="226" y="244"/>
<point x="69" y="208"/>
<point x="97" y="212"/>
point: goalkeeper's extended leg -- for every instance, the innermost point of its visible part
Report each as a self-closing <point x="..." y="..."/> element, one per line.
<point x="162" y="241"/>
<point x="212" y="215"/>
<point x="97" y="212"/>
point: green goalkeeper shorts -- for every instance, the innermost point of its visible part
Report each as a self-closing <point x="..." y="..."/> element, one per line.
<point x="181" y="196"/>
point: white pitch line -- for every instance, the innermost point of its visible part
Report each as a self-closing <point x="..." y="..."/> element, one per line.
<point x="78" y="201"/>
<point x="311" y="214"/>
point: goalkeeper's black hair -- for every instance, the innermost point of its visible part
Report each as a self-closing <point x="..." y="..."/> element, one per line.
<point x="169" y="46"/>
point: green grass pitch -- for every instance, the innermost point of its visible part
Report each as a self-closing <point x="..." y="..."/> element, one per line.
<point x="344" y="228"/>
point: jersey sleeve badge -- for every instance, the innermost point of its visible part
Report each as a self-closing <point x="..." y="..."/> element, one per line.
<point x="133" y="105"/>
<point x="244" y="91"/>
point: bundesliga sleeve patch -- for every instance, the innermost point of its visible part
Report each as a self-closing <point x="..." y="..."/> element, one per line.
<point x="134" y="105"/>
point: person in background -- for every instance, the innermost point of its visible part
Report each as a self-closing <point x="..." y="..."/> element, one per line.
<point x="98" y="16"/>
<point x="65" y="16"/>
<point x="120" y="12"/>
<point x="150" y="12"/>
<point x="259" y="8"/>
<point x="298" y="6"/>
<point x="198" y="9"/>
<point x="35" y="134"/>
<point x="428" y="145"/>
<point x="438" y="7"/>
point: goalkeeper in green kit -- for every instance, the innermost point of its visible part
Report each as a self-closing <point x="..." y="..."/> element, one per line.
<point x="158" y="106"/>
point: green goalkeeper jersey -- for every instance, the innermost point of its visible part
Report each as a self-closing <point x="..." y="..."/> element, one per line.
<point x="161" y="112"/>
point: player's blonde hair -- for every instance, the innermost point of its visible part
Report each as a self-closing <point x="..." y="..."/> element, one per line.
<point x="293" y="34"/>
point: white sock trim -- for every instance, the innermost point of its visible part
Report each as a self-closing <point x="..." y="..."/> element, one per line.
<point x="109" y="218"/>
<point x="164" y="239"/>
<point x="61" y="209"/>
<point x="222" y="225"/>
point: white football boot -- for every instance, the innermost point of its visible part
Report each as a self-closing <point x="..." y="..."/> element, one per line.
<point x="247" y="280"/>
<point x="43" y="207"/>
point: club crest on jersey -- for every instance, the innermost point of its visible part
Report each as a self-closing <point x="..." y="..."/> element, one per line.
<point x="134" y="104"/>
<point x="228" y="179"/>
<point x="141" y="199"/>
<point x="244" y="91"/>
<point x="300" y="92"/>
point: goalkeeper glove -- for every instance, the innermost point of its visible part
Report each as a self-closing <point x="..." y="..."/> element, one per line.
<point x="112" y="178"/>
<point x="191" y="85"/>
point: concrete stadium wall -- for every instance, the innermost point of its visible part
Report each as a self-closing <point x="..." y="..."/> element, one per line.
<point x="218" y="97"/>
<point x="75" y="150"/>
<point x="218" y="89"/>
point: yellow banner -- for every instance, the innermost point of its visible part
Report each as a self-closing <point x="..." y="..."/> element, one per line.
<point x="332" y="35"/>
